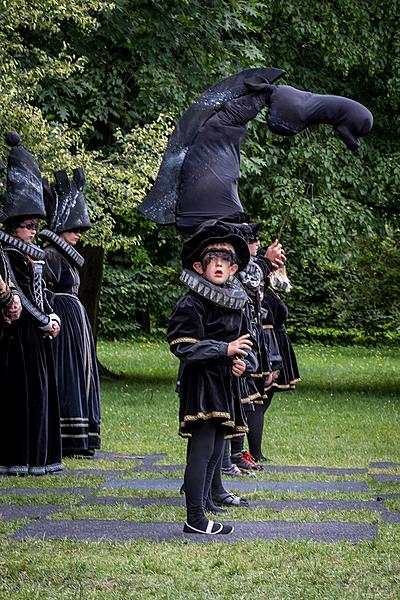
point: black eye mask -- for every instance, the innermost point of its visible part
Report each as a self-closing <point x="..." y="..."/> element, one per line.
<point x="215" y="253"/>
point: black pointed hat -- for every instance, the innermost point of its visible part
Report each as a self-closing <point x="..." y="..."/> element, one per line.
<point x="66" y="207"/>
<point x="24" y="195"/>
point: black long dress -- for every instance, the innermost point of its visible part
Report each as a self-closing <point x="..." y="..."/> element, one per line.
<point x="74" y="357"/>
<point x="30" y="441"/>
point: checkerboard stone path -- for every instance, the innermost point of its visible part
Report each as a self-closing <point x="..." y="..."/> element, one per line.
<point x="40" y="525"/>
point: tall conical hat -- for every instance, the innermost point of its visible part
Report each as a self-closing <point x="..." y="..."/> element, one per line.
<point x="24" y="195"/>
<point x="66" y="207"/>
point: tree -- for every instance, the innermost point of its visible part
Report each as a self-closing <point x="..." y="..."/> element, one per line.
<point x="91" y="84"/>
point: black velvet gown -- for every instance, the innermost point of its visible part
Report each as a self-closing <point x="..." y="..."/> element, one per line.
<point x="198" y="333"/>
<point x="30" y="441"/>
<point x="74" y="357"/>
<point x="278" y="314"/>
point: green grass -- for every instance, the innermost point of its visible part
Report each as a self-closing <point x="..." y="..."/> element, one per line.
<point x="345" y="413"/>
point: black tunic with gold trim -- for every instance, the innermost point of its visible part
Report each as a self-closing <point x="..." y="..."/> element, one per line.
<point x="199" y="331"/>
<point x="278" y="314"/>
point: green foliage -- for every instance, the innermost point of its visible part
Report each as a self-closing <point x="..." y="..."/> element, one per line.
<point x="136" y="298"/>
<point x="97" y="84"/>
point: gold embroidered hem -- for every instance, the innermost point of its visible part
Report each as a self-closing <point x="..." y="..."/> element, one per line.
<point x="279" y="386"/>
<point x="228" y="423"/>
<point x="262" y="374"/>
<point x="184" y="340"/>
<point x="205" y="416"/>
<point x="251" y="398"/>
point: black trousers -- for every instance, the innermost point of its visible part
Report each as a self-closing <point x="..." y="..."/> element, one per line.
<point x="204" y="454"/>
<point x="255" y="422"/>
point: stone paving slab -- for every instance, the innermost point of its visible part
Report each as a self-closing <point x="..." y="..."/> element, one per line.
<point x="306" y="504"/>
<point x="10" y="512"/>
<point x="386" y="478"/>
<point x="100" y="530"/>
<point x="391" y="517"/>
<point x="91" y="472"/>
<point x="387" y="496"/>
<point x="159" y="468"/>
<point x="40" y="492"/>
<point x="266" y="469"/>
<point x="383" y="465"/>
<point x="105" y="455"/>
<point x="168" y="484"/>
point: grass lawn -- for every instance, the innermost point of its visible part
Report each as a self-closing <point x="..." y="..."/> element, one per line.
<point x="345" y="413"/>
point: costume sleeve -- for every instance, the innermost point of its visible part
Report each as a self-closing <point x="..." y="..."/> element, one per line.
<point x="21" y="271"/>
<point x="265" y="265"/>
<point x="186" y="334"/>
<point x="52" y="270"/>
<point x="251" y="359"/>
<point x="6" y="293"/>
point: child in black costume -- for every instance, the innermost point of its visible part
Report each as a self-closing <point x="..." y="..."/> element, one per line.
<point x="208" y="332"/>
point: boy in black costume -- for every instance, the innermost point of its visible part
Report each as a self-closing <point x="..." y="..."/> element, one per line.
<point x="208" y="332"/>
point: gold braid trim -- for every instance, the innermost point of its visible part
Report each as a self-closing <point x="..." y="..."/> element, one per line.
<point x="294" y="381"/>
<point x="262" y="374"/>
<point x="279" y="386"/>
<point x="205" y="416"/>
<point x="228" y="423"/>
<point x="267" y="326"/>
<point x="183" y="340"/>
<point x="249" y="399"/>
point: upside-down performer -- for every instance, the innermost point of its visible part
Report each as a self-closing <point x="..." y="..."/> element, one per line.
<point x="199" y="175"/>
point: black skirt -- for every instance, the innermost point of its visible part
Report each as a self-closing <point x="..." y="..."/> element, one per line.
<point x="77" y="376"/>
<point x="30" y="441"/>
<point x="289" y="372"/>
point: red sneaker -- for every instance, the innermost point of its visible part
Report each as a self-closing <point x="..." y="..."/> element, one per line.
<point x="250" y="459"/>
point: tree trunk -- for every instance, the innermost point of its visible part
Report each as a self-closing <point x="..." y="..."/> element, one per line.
<point x="91" y="278"/>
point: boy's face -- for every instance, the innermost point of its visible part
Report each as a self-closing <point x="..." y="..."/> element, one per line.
<point x="218" y="263"/>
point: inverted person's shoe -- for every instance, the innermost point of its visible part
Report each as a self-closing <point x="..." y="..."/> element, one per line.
<point x="211" y="529"/>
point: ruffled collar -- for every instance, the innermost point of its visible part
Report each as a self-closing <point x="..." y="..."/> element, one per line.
<point x="33" y="251"/>
<point x="63" y="245"/>
<point x="251" y="277"/>
<point x="231" y="295"/>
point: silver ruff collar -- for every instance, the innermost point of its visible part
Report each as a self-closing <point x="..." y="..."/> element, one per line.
<point x="230" y="295"/>
<point x="30" y="249"/>
<point x="251" y="277"/>
<point x="67" y="248"/>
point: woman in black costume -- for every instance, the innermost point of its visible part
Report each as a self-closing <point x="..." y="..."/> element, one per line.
<point x="278" y="313"/>
<point x="30" y="441"/>
<point x="74" y="349"/>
